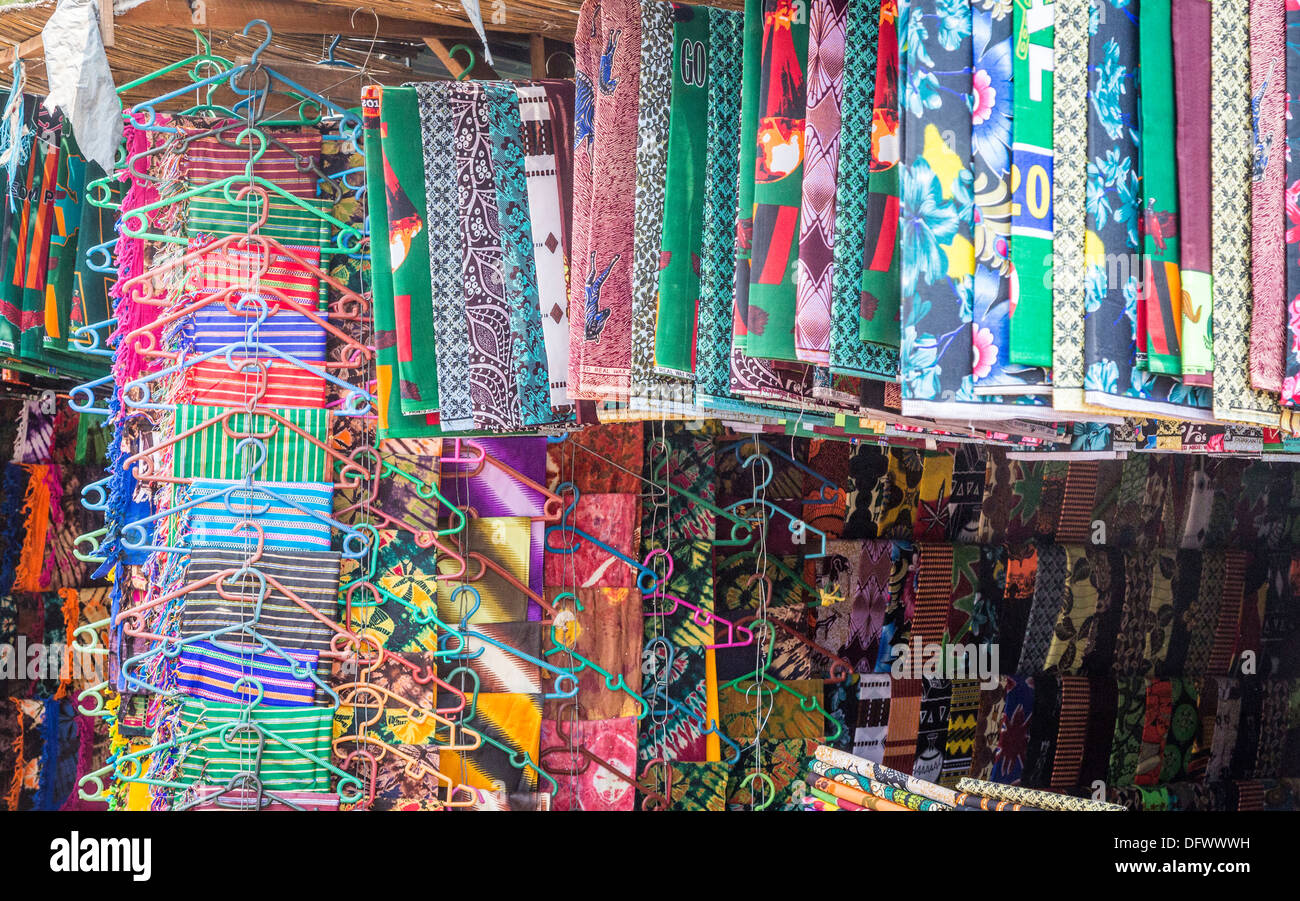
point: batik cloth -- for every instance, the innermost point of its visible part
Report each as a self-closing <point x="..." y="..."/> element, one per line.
<point x="1161" y="284"/>
<point x="408" y="250"/>
<point x="493" y="389"/>
<point x="1043" y="800"/>
<point x="222" y="755"/>
<point x="1291" y="289"/>
<point x="215" y="672"/>
<point x="938" y="256"/>
<point x="827" y="26"/>
<point x="870" y="74"/>
<point x="515" y="722"/>
<point x="1031" y="152"/>
<point x="593" y="786"/>
<point x="884" y="775"/>
<point x="1114" y="210"/>
<point x="691" y="786"/>
<point x="679" y="279"/>
<point x="1268" y="87"/>
<point x="441" y="143"/>
<point x="718" y="242"/>
<point x="607" y="51"/>
<point x="613" y="519"/>
<point x="878" y="303"/>
<point x="1069" y="189"/>
<point x="505" y="541"/>
<point x="751" y="65"/>
<point x="293" y="452"/>
<point x="527" y="353"/>
<point x="543" y="136"/>
<point x="1014" y="725"/>
<point x="778" y="182"/>
<point x="654" y="106"/>
<point x="991" y="139"/>
<point x="292" y="515"/>
<point x="1190" y="29"/>
<point x="607" y="632"/>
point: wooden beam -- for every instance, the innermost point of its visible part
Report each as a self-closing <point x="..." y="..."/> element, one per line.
<point x="455" y="64"/>
<point x="537" y="55"/>
<point x="26" y="50"/>
<point x="106" y="23"/>
<point x="338" y="83"/>
<point x="287" y="16"/>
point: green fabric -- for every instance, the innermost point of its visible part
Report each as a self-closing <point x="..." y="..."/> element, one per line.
<point x="31" y="271"/>
<point x="219" y="756"/>
<point x="1031" y="219"/>
<point x="882" y="285"/>
<point x="90" y="302"/>
<point x="64" y="245"/>
<point x="1160" y="186"/>
<point x="679" y="278"/>
<point x="213" y="451"/>
<point x="751" y="53"/>
<point x="782" y="108"/>
<point x="417" y="364"/>
<point x="286" y="222"/>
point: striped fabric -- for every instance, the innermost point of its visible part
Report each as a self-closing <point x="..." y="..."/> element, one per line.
<point x="223" y="267"/>
<point x="288" y="153"/>
<point x="211" y="216"/>
<point x="904" y="724"/>
<point x="1071" y="731"/>
<point x="314" y="577"/>
<point x="281" y="767"/>
<point x="265" y="382"/>
<point x="210" y="452"/>
<point x="286" y="330"/>
<point x="933" y="592"/>
<point x="285" y="526"/>
<point x="215" y="797"/>
<point x="1225" y="633"/>
<point x="212" y="671"/>
<point x="1075" y="524"/>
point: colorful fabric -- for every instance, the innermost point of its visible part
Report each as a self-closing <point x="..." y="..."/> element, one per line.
<point x="679" y="279"/>
<point x="593" y="786"/>
<point x="294" y="449"/>
<point x="515" y="722"/>
<point x="291" y="515"/>
<point x="313" y="577"/>
<point x="827" y="26"/>
<point x="214" y="328"/>
<point x="241" y="382"/>
<point x="543" y="136"/>
<point x="778" y="182"/>
<point x="1161" y="285"/>
<point x="1043" y="800"/>
<point x="878" y="304"/>
<point x="1193" y="79"/>
<point x="217" y="673"/>
<point x="1031" y="222"/>
<point x="232" y="266"/>
<point x="607" y="50"/>
<point x="290" y="158"/>
<point x="408" y="250"/>
<point x="223" y="755"/>
<point x="1069" y="190"/>
<point x="884" y="775"/>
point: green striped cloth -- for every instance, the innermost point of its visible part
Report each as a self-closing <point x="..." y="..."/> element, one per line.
<point x="210" y="452"/>
<point x="282" y="768"/>
<point x="288" y="223"/>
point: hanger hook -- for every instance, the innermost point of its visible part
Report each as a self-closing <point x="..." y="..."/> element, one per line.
<point x="473" y="59"/>
<point x="255" y="60"/>
<point x="207" y="45"/>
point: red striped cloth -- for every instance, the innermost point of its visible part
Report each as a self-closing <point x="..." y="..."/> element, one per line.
<point x="210" y="159"/>
<point x="933" y="593"/>
<point x="1075" y="524"/>
<point x="228" y="266"/>
<point x="1071" y="732"/>
<point x="272" y="383"/>
<point x="1225" y="633"/>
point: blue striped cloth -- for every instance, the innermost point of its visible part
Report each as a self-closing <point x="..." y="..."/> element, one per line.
<point x="285" y="526"/>
<point x="215" y="327"/>
<point x="210" y="671"/>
